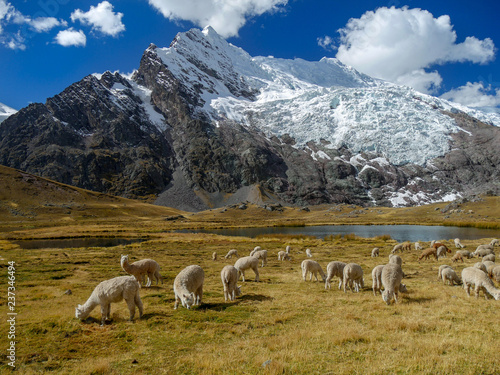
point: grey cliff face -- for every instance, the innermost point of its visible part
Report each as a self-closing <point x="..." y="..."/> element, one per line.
<point x="145" y="137"/>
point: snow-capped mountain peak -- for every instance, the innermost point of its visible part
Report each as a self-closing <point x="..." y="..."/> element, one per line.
<point x="311" y="101"/>
<point x="6" y="111"/>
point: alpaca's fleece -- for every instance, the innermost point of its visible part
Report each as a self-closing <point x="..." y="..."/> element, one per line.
<point x="377" y="281"/>
<point x="214" y="256"/>
<point x="313" y="268"/>
<point x="398" y="247"/>
<point x="188" y="286"/>
<point x="418" y="247"/>
<point x="426" y="253"/>
<point x="494" y="242"/>
<point x="483" y="250"/>
<point x="308" y="253"/>
<point x="375" y="252"/>
<point x="246" y="263"/>
<point x="437" y="245"/>
<point x="458" y="244"/>
<point x="495" y="273"/>
<point x="230" y="253"/>
<point x="260" y="254"/>
<point x="450" y="275"/>
<point x="490" y="257"/>
<point x="287" y="249"/>
<point x="458" y="256"/>
<point x="353" y="276"/>
<point x="283" y="255"/>
<point x="441" y="268"/>
<point x="481" y="266"/>
<point x="465" y="253"/>
<point x="111" y="291"/>
<point x="141" y="268"/>
<point x="474" y="276"/>
<point x="395" y="259"/>
<point x="441" y="252"/>
<point x="229" y="277"/>
<point x="489" y="265"/>
<point x="334" y="269"/>
<point x="392" y="274"/>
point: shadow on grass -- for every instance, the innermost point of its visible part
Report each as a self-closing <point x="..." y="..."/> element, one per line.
<point x="224" y="305"/>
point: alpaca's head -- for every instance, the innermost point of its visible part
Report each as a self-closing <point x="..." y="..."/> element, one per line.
<point x="387" y="296"/>
<point x="79" y="313"/>
<point x="124" y="259"/>
<point x="188" y="300"/>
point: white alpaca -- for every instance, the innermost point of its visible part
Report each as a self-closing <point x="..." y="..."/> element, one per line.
<point x="494" y="273"/>
<point x="377" y="281"/>
<point x="214" y="256"/>
<point x="399" y="246"/>
<point x="375" y="252"/>
<point x="473" y="276"/>
<point x="141" y="268"/>
<point x="287" y="249"/>
<point x="229" y="277"/>
<point x="188" y="286"/>
<point x="308" y="253"/>
<point x="334" y="269"/>
<point x="246" y="263"/>
<point x="441" y="252"/>
<point x="481" y="266"/>
<point x="392" y="274"/>
<point x="483" y="250"/>
<point x="465" y="253"/>
<point x="494" y="242"/>
<point x="458" y="244"/>
<point x="395" y="259"/>
<point x="451" y="276"/>
<point x="441" y="268"/>
<point x="230" y="254"/>
<point x="418" y="247"/>
<point x="260" y="254"/>
<point x="313" y="268"/>
<point x="111" y="291"/>
<point x="353" y="274"/>
<point x="490" y="257"/>
<point x="282" y="255"/>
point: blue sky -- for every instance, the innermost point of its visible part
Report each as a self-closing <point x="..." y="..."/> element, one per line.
<point x="445" y="48"/>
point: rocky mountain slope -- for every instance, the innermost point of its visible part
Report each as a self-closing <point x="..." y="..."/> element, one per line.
<point x="203" y="124"/>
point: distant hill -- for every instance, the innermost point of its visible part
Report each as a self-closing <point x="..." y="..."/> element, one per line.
<point x="24" y="197"/>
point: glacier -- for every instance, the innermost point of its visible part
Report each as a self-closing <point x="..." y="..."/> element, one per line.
<point x="317" y="101"/>
<point x="5" y="111"/>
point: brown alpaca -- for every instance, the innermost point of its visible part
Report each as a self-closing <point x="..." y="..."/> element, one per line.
<point x="457" y="257"/>
<point x="427" y="253"/>
<point x="437" y="244"/>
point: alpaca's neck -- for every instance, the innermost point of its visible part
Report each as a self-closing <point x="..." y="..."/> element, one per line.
<point x="491" y="289"/>
<point x="126" y="265"/>
<point x="88" y="306"/>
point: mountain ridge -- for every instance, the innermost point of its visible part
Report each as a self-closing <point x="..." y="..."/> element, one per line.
<point x="201" y="123"/>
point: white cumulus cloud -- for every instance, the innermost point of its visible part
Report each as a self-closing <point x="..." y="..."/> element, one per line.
<point x="44" y="24"/>
<point x="71" y="37"/>
<point x="101" y="18"/>
<point x="398" y="44"/>
<point x="225" y="16"/>
<point x="474" y="95"/>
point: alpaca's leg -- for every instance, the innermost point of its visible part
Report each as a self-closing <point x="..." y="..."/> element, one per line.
<point x="138" y="302"/>
<point x="131" y="307"/>
<point x="199" y="295"/>
<point x="177" y="299"/>
<point x="150" y="279"/>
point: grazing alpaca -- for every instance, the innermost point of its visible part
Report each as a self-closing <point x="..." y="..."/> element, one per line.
<point x="110" y="291"/>
<point x="142" y="268"/>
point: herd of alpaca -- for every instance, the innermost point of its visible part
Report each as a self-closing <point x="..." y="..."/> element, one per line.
<point x="188" y="284"/>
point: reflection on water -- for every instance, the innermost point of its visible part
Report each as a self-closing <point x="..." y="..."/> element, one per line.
<point x="399" y="233"/>
<point x="75" y="243"/>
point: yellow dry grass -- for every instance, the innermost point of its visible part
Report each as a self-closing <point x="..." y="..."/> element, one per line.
<point x="280" y="325"/>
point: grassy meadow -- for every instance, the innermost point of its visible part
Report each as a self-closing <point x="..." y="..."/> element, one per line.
<point x="280" y="325"/>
